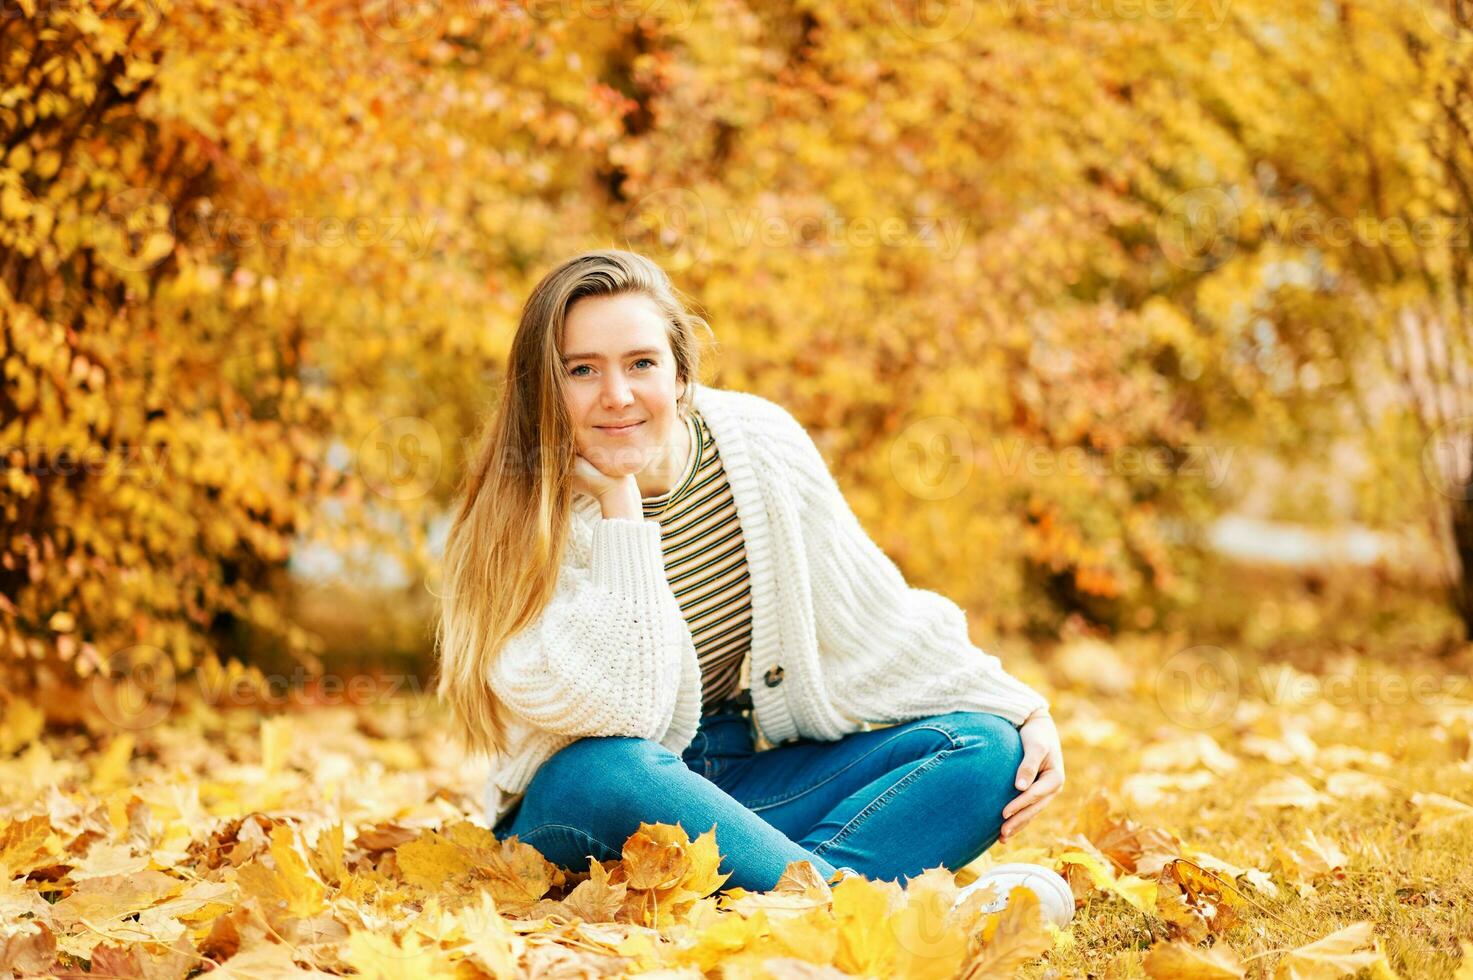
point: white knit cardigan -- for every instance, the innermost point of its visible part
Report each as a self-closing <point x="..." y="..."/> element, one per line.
<point x="838" y="637"/>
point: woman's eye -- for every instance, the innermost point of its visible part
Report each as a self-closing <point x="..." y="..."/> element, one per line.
<point x="643" y="360"/>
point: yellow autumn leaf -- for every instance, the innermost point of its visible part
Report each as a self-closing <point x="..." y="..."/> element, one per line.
<point x="808" y="935"/>
<point x="929" y="939"/>
<point x="277" y="738"/>
<point x="1465" y="963"/>
<point x="1436" y="811"/>
<point x="702" y="859"/>
<point x="1339" y="954"/>
<point x="858" y="904"/>
<point x="288" y="888"/>
<point x="111" y="769"/>
<point x="1180" y="961"/>
<point x="25" y="844"/>
<point x="1289" y="791"/>
<point x="21" y="724"/>
<point x="1011" y="938"/>
<point x="377" y="956"/>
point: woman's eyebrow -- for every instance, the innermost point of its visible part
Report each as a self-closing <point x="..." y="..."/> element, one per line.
<point x="599" y="357"/>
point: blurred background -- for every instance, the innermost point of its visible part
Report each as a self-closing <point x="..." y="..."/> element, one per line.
<point x="1113" y="318"/>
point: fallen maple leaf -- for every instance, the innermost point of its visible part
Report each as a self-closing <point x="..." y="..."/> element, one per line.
<point x="597" y="899"/>
<point x="858" y="905"/>
<point x="1131" y="846"/>
<point x="1465" y="965"/>
<point x="1180" y="961"/>
<point x="1197" y="749"/>
<point x="1290" y="791"/>
<point x="931" y="944"/>
<point x="1256" y="877"/>
<point x="702" y="874"/>
<point x="1217" y="900"/>
<point x="287" y="889"/>
<point x="1340" y="953"/>
<point x="1351" y="784"/>
<point x="24" y="845"/>
<point x="464" y="858"/>
<point x="1316" y="857"/>
<point x="1292" y="746"/>
<point x="653" y="864"/>
<point x="1183" y="919"/>
<point x="25" y="947"/>
<point x="1435" y="811"/>
<point x="380" y="957"/>
<point x="1011" y="938"/>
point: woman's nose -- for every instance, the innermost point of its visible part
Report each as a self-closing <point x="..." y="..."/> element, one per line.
<point x="616" y="393"/>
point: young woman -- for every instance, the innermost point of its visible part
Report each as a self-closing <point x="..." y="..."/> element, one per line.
<point x="632" y="548"/>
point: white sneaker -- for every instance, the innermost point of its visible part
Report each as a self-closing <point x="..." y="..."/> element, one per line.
<point x="1055" y="897"/>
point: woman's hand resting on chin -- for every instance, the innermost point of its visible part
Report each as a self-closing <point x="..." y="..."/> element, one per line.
<point x="618" y="496"/>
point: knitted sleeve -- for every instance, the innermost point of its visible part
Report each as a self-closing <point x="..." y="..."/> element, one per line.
<point x="605" y="656"/>
<point x="891" y="653"/>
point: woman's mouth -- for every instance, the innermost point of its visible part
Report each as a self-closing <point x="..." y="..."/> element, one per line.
<point x="615" y="430"/>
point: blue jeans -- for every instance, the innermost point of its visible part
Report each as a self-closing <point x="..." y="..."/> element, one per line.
<point x="888" y="803"/>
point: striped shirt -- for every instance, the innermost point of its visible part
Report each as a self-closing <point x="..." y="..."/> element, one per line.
<point x="706" y="565"/>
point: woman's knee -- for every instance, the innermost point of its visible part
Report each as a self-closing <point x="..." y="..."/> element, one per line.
<point x="982" y="727"/>
<point x="996" y="748"/>
<point x="597" y="770"/>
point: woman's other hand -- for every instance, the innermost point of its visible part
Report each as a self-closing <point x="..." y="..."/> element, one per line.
<point x="1040" y="776"/>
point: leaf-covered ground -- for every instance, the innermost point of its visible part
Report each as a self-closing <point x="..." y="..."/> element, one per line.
<point x="1222" y="817"/>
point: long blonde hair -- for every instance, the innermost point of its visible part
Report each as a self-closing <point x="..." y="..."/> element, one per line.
<point x="506" y="544"/>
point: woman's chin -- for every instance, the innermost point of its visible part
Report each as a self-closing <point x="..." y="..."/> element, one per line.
<point x="618" y="462"/>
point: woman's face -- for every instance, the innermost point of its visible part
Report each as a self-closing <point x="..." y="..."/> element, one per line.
<point x="619" y="368"/>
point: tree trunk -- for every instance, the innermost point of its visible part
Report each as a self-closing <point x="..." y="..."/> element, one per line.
<point x="1461" y="514"/>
